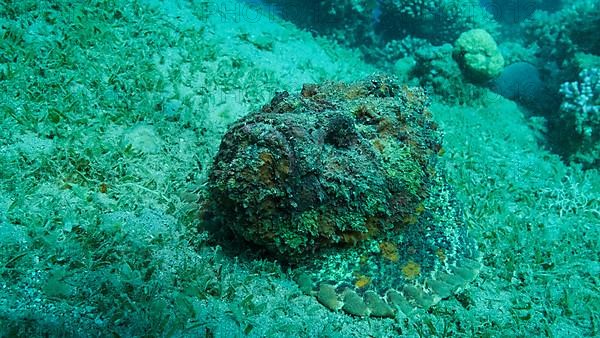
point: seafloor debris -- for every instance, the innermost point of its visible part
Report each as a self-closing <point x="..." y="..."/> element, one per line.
<point x="343" y="182"/>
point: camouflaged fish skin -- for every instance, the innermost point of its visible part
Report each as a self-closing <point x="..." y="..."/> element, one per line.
<point x="343" y="181"/>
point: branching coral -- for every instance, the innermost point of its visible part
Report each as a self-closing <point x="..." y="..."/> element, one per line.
<point x="580" y="109"/>
<point x="566" y="44"/>
<point x="582" y="101"/>
<point x="562" y="34"/>
<point x="436" y="20"/>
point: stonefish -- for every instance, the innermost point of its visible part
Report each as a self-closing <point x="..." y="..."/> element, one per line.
<point x="343" y="182"/>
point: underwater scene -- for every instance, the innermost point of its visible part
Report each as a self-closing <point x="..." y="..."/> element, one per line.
<point x="288" y="168"/>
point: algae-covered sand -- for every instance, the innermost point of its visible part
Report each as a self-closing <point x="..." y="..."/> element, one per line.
<point x="111" y="113"/>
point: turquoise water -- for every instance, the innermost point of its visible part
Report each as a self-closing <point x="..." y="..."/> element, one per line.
<point x="113" y="112"/>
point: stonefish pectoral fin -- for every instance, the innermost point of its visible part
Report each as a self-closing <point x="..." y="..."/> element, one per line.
<point x="344" y="182"/>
